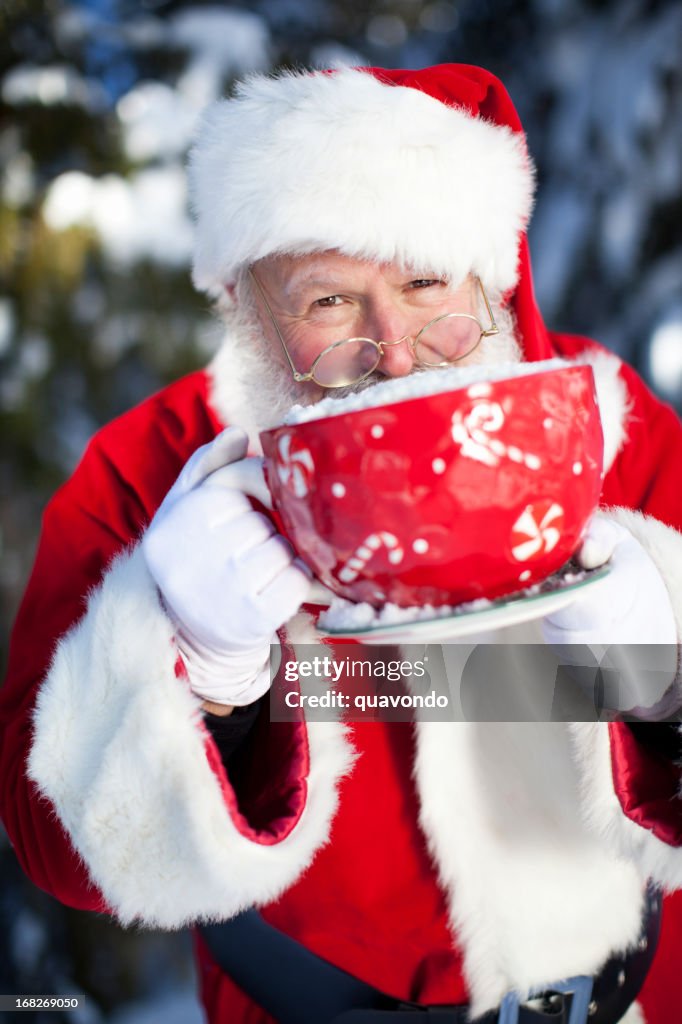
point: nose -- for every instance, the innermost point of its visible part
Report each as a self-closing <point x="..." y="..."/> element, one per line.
<point x="397" y="359"/>
<point x="390" y="327"/>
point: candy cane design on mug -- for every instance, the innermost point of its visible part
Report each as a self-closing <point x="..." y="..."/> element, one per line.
<point x="472" y="430"/>
<point x="366" y="551"/>
<point x="295" y="466"/>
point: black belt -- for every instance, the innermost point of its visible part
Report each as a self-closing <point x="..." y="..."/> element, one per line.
<point x="295" y="986"/>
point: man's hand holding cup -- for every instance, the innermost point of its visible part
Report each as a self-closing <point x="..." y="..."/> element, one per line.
<point x="227" y="578"/>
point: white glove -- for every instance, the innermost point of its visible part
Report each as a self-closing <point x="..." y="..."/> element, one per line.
<point x="227" y="578"/>
<point x="625" y="625"/>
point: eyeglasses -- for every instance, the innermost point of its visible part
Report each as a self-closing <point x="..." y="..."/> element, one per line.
<point x="446" y="339"/>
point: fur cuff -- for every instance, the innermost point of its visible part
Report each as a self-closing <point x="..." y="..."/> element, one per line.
<point x="604" y="814"/>
<point x="121" y="752"/>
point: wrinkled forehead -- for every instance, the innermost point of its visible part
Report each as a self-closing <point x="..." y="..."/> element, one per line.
<point x="297" y="272"/>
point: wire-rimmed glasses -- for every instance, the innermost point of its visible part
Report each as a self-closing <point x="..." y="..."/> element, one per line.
<point x="445" y="340"/>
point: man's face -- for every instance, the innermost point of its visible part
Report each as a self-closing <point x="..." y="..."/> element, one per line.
<point x="322" y="298"/>
<point x="325" y="297"/>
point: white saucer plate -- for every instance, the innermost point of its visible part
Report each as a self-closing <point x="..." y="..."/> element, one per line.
<point x="497" y="615"/>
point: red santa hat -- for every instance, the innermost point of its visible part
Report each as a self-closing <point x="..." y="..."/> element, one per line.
<point x="428" y="167"/>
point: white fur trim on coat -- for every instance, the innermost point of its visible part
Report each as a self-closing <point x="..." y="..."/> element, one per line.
<point x="119" y="749"/>
<point x="529" y="836"/>
<point x="604" y="815"/>
<point x="307" y="162"/>
<point x="613" y="399"/>
<point x="634" y="1015"/>
<point x="534" y="894"/>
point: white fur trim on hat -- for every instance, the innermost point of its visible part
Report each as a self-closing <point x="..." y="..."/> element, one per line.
<point x="310" y="162"/>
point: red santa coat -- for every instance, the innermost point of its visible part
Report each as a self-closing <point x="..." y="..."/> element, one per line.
<point x="440" y="863"/>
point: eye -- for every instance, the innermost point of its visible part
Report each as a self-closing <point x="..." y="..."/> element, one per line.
<point x="426" y="282"/>
<point x="328" y="301"/>
<point x="427" y="291"/>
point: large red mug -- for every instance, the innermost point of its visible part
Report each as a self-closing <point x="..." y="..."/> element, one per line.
<point x="469" y="493"/>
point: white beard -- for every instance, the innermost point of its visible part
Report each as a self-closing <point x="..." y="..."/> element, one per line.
<point x="255" y="390"/>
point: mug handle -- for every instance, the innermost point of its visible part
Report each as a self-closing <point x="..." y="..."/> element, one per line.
<point x="247" y="476"/>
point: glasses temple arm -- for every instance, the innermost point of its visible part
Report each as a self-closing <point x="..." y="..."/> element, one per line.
<point x="493" y="329"/>
<point x="299" y="377"/>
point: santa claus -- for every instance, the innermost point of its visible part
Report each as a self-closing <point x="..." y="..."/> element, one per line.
<point x="372" y="871"/>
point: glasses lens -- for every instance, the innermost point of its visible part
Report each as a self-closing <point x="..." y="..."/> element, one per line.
<point x="447" y="339"/>
<point x="346" y="362"/>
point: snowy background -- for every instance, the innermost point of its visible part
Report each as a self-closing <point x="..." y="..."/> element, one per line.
<point x="97" y="105"/>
